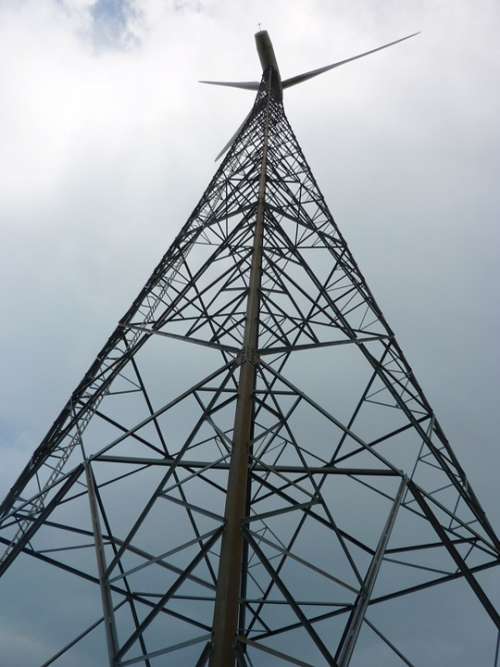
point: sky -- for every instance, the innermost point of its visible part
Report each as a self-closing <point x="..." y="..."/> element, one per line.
<point x="108" y="141"/>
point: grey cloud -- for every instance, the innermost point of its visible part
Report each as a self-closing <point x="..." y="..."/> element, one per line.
<point x="105" y="155"/>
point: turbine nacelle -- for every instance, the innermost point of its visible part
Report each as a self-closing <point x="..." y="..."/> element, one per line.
<point x="268" y="62"/>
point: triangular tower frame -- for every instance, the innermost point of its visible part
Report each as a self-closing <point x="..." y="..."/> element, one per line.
<point x="260" y="277"/>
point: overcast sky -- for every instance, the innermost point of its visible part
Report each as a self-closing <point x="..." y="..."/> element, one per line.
<point x="107" y="142"/>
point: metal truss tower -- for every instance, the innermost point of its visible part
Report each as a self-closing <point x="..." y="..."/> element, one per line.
<point x="258" y="500"/>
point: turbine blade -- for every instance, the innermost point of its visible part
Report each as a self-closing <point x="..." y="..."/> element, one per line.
<point x="230" y="142"/>
<point x="247" y="85"/>
<point x="294" y="80"/>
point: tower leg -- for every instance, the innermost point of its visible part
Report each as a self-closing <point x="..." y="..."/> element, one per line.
<point x="107" y="603"/>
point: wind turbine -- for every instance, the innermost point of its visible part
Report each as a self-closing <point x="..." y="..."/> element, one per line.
<point x="269" y="63"/>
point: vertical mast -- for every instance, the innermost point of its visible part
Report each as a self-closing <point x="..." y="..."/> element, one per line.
<point x="227" y="602"/>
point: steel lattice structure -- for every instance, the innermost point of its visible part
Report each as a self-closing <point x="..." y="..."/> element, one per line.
<point x="217" y="519"/>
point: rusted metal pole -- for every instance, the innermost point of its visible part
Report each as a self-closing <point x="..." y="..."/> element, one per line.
<point x="227" y="602"/>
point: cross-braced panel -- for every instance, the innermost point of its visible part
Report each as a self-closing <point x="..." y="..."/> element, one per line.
<point x="355" y="499"/>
